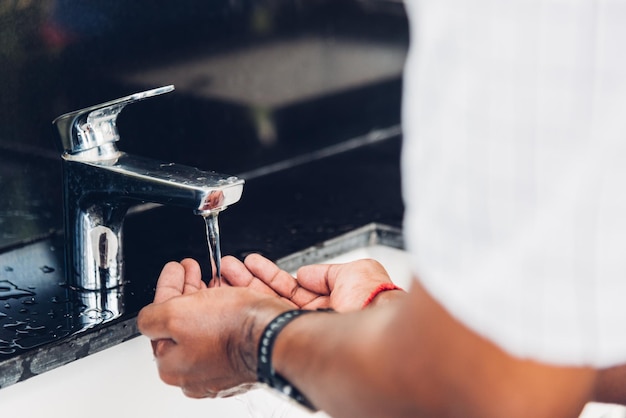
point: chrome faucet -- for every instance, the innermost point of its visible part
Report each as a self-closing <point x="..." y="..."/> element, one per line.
<point x="101" y="183"/>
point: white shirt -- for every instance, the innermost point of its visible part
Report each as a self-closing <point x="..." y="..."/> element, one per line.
<point x="515" y="171"/>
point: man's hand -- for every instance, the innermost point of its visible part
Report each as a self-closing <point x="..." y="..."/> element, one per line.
<point x="205" y="340"/>
<point x="342" y="287"/>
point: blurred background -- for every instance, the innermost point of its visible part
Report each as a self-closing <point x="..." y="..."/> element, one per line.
<point x="257" y="82"/>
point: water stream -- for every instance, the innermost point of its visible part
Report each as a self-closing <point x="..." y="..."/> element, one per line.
<point x="213" y="240"/>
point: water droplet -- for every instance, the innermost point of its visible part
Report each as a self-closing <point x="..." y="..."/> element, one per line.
<point x="35" y="328"/>
<point x="54" y="299"/>
<point x="8" y="269"/>
<point x="10" y="290"/>
<point x="46" y="269"/>
<point x="7" y="305"/>
<point x="14" y="325"/>
<point x="201" y="178"/>
<point x="107" y="314"/>
<point x="163" y="165"/>
<point x="3" y="315"/>
<point x="23" y="310"/>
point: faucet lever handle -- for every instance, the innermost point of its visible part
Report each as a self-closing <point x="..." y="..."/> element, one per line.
<point x="95" y="126"/>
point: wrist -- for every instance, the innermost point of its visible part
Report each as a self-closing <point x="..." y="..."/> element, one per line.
<point x="266" y="373"/>
<point x="382" y="293"/>
<point x="258" y="316"/>
<point x="265" y="369"/>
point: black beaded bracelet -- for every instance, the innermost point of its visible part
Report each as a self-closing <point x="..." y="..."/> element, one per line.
<point x="265" y="370"/>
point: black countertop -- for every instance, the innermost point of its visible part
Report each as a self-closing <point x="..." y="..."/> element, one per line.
<point x="44" y="324"/>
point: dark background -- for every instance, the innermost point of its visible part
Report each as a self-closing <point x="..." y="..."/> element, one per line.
<point x="299" y="97"/>
<point x="257" y="82"/>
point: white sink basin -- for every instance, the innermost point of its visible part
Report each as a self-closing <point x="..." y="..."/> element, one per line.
<point x="122" y="381"/>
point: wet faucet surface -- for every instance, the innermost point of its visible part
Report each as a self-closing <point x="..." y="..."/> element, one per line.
<point x="101" y="183"/>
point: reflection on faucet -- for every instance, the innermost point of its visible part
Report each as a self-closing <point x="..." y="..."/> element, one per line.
<point x="101" y="183"/>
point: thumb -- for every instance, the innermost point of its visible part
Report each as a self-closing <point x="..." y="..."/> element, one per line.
<point x="152" y="324"/>
<point x="318" y="278"/>
<point x="171" y="282"/>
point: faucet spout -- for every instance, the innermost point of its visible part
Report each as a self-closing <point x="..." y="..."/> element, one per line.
<point x="101" y="183"/>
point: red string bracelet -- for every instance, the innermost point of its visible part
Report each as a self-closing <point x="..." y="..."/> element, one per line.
<point x="383" y="287"/>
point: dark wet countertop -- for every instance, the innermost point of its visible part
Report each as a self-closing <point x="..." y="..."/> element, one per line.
<point x="43" y="324"/>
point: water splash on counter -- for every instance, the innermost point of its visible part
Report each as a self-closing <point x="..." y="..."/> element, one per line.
<point x="10" y="290"/>
<point x="47" y="269"/>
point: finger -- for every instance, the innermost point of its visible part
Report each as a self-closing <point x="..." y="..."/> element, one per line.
<point x="318" y="278"/>
<point x="278" y="280"/>
<point x="270" y="274"/>
<point x="151" y="323"/>
<point x="222" y="282"/>
<point x="197" y="394"/>
<point x="171" y="282"/>
<point x="161" y="347"/>
<point x="237" y="274"/>
<point x="193" y="276"/>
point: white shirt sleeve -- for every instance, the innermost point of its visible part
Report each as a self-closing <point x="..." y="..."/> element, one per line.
<point x="514" y="171"/>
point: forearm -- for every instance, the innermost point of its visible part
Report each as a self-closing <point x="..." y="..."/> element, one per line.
<point x="414" y="360"/>
<point x="330" y="358"/>
<point x="611" y="385"/>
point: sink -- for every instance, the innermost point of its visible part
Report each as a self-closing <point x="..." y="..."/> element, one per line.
<point x="123" y="380"/>
<point x="600" y="410"/>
